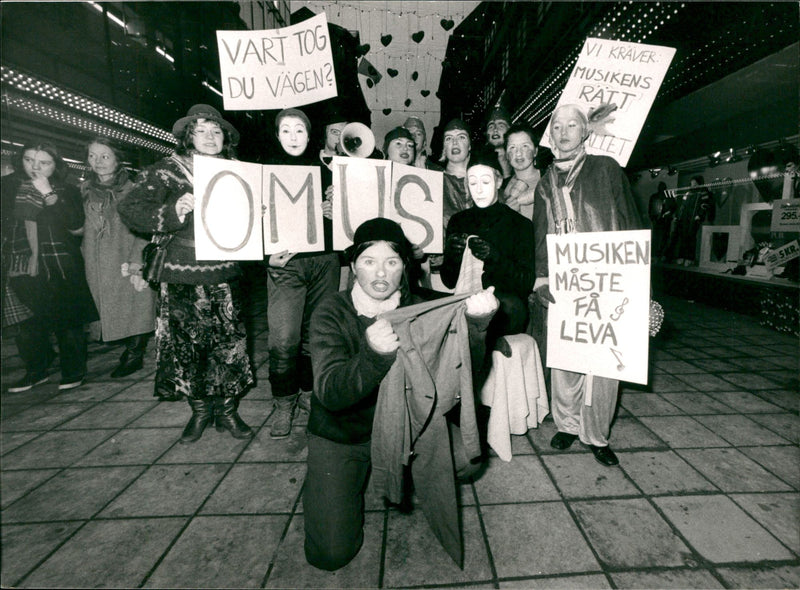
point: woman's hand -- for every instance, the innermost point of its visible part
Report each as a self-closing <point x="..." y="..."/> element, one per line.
<point x="381" y="337"/>
<point x="482" y="303"/>
<point x="51" y="199"/>
<point x="184" y="205"/>
<point x="281" y="259"/>
<point x="42" y="183"/>
<point x="33" y="266"/>
<point x="327" y="203"/>
<point x="417" y="252"/>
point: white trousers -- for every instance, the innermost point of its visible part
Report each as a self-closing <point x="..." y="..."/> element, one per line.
<point x="570" y="412"/>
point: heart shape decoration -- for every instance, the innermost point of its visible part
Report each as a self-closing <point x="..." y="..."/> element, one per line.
<point x="392" y="72"/>
<point x="414" y="76"/>
<point x="363" y="49"/>
<point x="447" y="24"/>
<point x="387" y="111"/>
<point x="386" y="39"/>
<point x="424" y="92"/>
<point x="417" y="37"/>
<point x="370" y="83"/>
<point x="408" y="102"/>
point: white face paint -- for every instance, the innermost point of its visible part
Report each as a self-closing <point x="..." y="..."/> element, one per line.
<point x="293" y="135"/>
<point x="379" y="271"/>
<point x="483" y="182"/>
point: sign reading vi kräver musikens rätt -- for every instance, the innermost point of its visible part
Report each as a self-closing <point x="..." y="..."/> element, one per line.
<point x="621" y="73"/>
<point x="599" y="322"/>
<point x="276" y="68"/>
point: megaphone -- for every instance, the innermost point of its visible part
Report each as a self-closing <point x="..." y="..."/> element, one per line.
<point x="357" y="140"/>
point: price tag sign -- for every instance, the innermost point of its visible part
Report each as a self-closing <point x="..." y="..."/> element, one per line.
<point x="786" y="215"/>
<point x="782" y="255"/>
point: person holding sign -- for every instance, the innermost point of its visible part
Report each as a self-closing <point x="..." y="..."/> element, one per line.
<point x="399" y="146"/>
<point x="579" y="193"/>
<point x="200" y="339"/>
<point x="353" y="350"/>
<point x="295" y="285"/>
<point x="497" y="236"/>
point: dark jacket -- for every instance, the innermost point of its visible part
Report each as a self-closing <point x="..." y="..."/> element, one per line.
<point x="150" y="208"/>
<point x="510" y="233"/>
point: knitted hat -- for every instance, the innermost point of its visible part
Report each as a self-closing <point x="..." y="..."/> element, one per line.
<point x="293" y="113"/>
<point x="209" y="113"/>
<point x="394" y="134"/>
<point x="456" y="124"/>
<point x="485" y="157"/>
<point x="414" y="123"/>
<point x="379" y="229"/>
<point x="498" y="114"/>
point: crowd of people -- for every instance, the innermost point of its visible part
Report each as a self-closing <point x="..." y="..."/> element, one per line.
<point x="116" y="256"/>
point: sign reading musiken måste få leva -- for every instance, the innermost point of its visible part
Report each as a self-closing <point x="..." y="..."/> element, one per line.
<point x="621" y="73"/>
<point x="277" y="68"/>
<point x="599" y="323"/>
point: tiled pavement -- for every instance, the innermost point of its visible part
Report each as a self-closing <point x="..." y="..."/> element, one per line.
<point x="97" y="492"/>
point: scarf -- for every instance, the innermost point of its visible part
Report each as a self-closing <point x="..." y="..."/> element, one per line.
<point x="369" y="307"/>
<point x="563" y="212"/>
<point x="28" y="202"/>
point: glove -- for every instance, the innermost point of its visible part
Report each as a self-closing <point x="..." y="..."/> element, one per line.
<point x="455" y="244"/>
<point x="544" y="295"/>
<point x="503" y="347"/>
<point x="483" y="250"/>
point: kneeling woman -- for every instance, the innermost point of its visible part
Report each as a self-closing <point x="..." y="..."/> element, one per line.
<point x="351" y="352"/>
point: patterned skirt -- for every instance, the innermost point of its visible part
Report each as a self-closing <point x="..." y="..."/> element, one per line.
<point x="201" y="348"/>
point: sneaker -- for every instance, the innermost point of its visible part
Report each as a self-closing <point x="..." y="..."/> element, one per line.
<point x="29" y="381"/>
<point x="70" y="383"/>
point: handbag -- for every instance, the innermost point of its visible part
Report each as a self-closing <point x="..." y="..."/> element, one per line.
<point x="153" y="256"/>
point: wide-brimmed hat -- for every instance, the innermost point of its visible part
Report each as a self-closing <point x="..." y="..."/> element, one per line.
<point x="209" y="113"/>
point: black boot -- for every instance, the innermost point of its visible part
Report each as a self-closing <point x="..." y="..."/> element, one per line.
<point x="132" y="358"/>
<point x="202" y="414"/>
<point x="227" y="418"/>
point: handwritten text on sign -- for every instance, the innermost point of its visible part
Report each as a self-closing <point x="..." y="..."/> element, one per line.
<point x="616" y="72"/>
<point x="276" y="68"/>
<point x="232" y="198"/>
<point x="599" y="322"/>
<point x="365" y="188"/>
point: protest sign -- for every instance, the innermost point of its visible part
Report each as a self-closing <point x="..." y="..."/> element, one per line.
<point x="621" y="73"/>
<point x="227" y="209"/>
<point x="599" y="322"/>
<point x="292" y="209"/>
<point x="365" y="188"/>
<point x="417" y="205"/>
<point x="276" y="68"/>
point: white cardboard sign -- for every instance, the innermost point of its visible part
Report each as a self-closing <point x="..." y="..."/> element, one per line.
<point x="365" y="188"/>
<point x="617" y="72"/>
<point x="599" y="322"/>
<point x="276" y="68"/>
<point x="244" y="210"/>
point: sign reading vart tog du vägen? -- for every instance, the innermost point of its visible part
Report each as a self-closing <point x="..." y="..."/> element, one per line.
<point x="599" y="322"/>
<point x="277" y="68"/>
